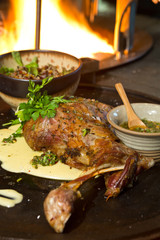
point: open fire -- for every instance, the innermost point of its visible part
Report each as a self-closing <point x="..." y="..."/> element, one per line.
<point x="63" y="28"/>
<point x="18" y="26"/>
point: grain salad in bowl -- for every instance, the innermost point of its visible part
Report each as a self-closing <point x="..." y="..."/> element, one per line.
<point x="17" y="68"/>
<point x="32" y="70"/>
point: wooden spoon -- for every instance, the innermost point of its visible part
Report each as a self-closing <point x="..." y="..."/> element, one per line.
<point x="133" y="120"/>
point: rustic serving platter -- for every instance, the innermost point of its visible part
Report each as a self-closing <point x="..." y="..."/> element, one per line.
<point x="134" y="214"/>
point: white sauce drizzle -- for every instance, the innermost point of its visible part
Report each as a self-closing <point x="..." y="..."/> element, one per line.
<point x="9" y="197"/>
<point x="16" y="158"/>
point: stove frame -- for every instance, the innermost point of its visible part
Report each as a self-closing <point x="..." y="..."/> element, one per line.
<point x="129" y="45"/>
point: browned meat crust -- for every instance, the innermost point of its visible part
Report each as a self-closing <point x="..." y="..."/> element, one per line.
<point x="78" y="134"/>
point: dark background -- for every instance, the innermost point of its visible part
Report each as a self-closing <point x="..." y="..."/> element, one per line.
<point x="146" y="7"/>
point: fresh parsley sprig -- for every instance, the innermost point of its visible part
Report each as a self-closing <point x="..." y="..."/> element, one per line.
<point x="38" y="104"/>
<point x="13" y="137"/>
<point x="31" y="67"/>
<point x="17" y="57"/>
<point x="6" y="71"/>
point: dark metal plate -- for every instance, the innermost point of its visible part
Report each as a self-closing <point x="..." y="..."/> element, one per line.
<point x="134" y="214"/>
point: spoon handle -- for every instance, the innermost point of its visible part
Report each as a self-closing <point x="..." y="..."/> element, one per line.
<point x="122" y="94"/>
<point x="133" y="120"/>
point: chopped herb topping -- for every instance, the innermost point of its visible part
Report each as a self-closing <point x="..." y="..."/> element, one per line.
<point x="19" y="179"/>
<point x="85" y="131"/>
<point x="45" y="159"/>
<point x="80" y="118"/>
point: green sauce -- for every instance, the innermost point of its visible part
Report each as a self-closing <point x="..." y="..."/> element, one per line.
<point x="45" y="159"/>
<point x="152" y="127"/>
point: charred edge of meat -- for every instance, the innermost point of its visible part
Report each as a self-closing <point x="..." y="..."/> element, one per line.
<point x="73" y="152"/>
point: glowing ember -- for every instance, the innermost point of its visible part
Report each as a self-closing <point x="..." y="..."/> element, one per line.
<point x="69" y="32"/>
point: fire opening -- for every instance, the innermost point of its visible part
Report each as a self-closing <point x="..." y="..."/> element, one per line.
<point x="68" y="26"/>
<point x="63" y="28"/>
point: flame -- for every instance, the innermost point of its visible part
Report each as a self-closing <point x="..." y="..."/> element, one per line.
<point x="61" y="31"/>
<point x="63" y="28"/>
<point x="19" y="26"/>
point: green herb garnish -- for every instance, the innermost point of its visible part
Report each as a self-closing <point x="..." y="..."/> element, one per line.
<point x="85" y="131"/>
<point x="17" y="58"/>
<point x="5" y="70"/>
<point x="13" y="137"/>
<point x="45" y="159"/>
<point x="33" y="66"/>
<point x="38" y="105"/>
<point x="12" y="122"/>
<point x="19" y="179"/>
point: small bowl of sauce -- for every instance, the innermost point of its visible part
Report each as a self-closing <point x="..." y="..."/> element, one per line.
<point x="146" y="142"/>
<point x="152" y="126"/>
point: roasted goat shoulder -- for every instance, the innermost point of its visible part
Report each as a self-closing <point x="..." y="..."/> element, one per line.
<point x="78" y="134"/>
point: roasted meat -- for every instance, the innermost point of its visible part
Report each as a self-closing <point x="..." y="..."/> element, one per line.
<point x="80" y="136"/>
